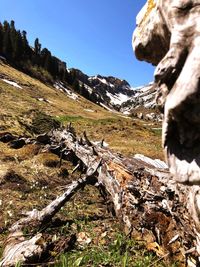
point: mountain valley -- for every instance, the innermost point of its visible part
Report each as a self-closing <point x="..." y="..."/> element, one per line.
<point x="30" y="176"/>
<point x="103" y="111"/>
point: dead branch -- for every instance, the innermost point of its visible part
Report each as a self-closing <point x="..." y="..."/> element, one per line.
<point x="145" y="200"/>
<point x="147" y="203"/>
<point x="17" y="248"/>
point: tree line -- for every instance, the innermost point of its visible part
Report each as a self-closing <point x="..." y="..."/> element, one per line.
<point x="35" y="60"/>
<point x="14" y="46"/>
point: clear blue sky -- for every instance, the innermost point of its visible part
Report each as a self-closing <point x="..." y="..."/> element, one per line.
<point x="92" y="35"/>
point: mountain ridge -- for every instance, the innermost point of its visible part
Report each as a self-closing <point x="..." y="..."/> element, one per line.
<point x="117" y="94"/>
<point x="110" y="92"/>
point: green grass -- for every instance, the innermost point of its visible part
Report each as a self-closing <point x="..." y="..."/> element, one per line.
<point x="67" y="118"/>
<point x="122" y="252"/>
<point x="158" y="131"/>
<point x="105" y="121"/>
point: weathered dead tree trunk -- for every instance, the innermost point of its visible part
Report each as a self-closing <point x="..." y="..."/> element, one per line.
<point x="145" y="200"/>
<point x="168" y="36"/>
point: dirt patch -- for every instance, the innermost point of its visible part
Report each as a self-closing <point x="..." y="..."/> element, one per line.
<point x="12" y="177"/>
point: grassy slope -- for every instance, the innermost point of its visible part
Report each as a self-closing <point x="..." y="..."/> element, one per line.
<point x="30" y="179"/>
<point x="122" y="134"/>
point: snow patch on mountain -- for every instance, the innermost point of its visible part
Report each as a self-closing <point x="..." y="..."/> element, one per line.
<point x="12" y="83"/>
<point x="105" y="82"/>
<point x="143" y="88"/>
<point x="117" y="99"/>
<point x="143" y="97"/>
<point x="61" y="87"/>
<point x="102" y="80"/>
<point x="90" y="90"/>
<point x="41" y="99"/>
<point x="89" y="110"/>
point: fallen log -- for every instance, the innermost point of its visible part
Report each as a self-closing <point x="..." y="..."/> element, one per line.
<point x="149" y="205"/>
<point x="17" y="248"/>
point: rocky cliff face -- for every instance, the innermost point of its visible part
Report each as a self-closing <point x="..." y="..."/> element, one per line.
<point x="116" y="94"/>
<point x="110" y="91"/>
<point x="143" y="103"/>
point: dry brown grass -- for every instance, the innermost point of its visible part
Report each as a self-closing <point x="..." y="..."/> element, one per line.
<point x="126" y="136"/>
<point x="19" y="106"/>
<point x="30" y="178"/>
<point x="60" y="104"/>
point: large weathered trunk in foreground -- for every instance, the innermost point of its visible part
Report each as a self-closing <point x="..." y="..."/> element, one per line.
<point x="168" y="36"/>
<point x="148" y="204"/>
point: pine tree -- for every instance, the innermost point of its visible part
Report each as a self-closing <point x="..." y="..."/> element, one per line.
<point x="7" y="45"/>
<point x="12" y="25"/>
<point x="62" y="70"/>
<point x="1" y="38"/>
<point x="18" y="48"/>
<point x="76" y="86"/>
<point x="26" y="48"/>
<point x="15" y="47"/>
<point x="47" y="61"/>
<point x="37" y="48"/>
<point x="14" y="40"/>
<point x="54" y="67"/>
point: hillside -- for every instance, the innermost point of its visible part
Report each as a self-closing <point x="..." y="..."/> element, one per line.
<point x="32" y="174"/>
<point x="32" y="177"/>
<point x="37" y="171"/>
<point x="109" y="92"/>
<point x="19" y="105"/>
<point x="82" y="181"/>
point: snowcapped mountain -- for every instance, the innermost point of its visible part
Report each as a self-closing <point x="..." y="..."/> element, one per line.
<point x="109" y="91"/>
<point x="116" y="94"/>
<point x="143" y="103"/>
<point x="144" y="96"/>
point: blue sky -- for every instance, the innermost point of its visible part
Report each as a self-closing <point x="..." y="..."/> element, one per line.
<point x="92" y="35"/>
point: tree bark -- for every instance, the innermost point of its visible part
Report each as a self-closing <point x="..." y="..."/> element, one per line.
<point x="146" y="202"/>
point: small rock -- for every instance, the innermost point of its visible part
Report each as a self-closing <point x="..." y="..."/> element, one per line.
<point x="83" y="239"/>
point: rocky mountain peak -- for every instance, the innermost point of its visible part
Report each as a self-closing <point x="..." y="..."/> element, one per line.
<point x="117" y="94"/>
<point x="111" y="81"/>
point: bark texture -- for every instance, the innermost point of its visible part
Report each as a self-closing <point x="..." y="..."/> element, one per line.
<point x="147" y="203"/>
<point x="167" y="35"/>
